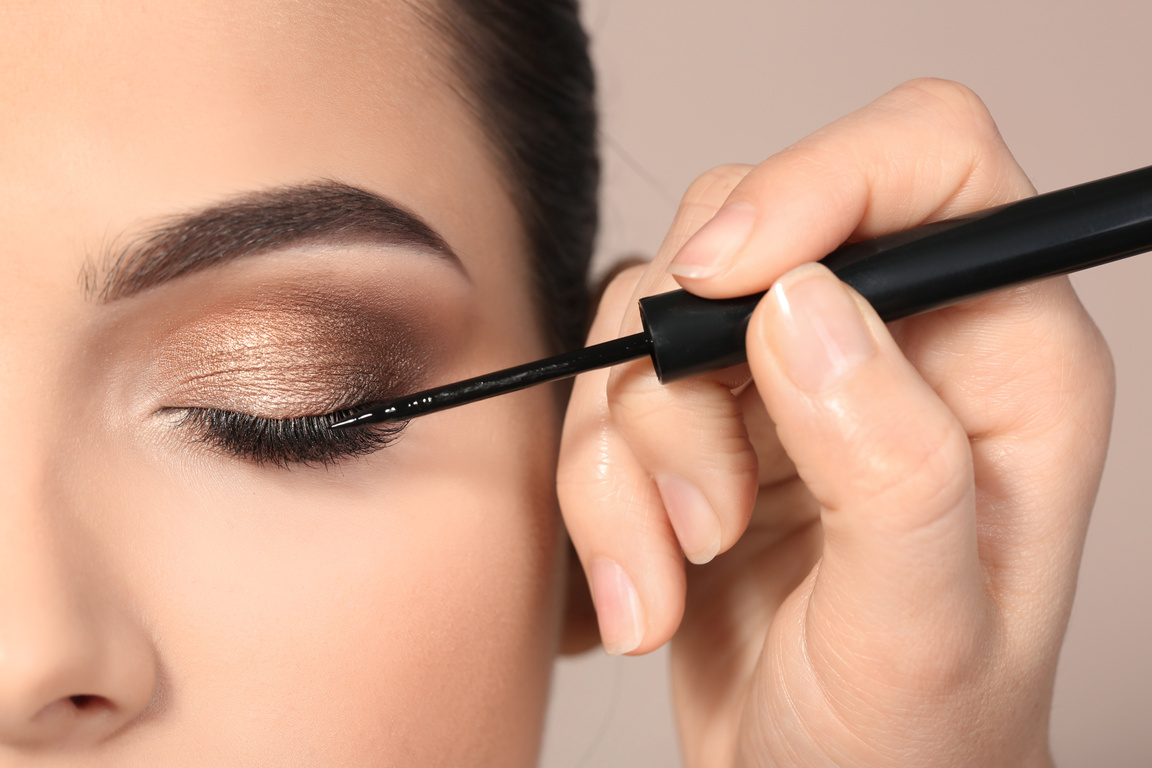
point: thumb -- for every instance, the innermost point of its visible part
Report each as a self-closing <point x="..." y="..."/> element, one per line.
<point x="891" y="468"/>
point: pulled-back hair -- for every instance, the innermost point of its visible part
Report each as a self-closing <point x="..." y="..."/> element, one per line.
<point x="525" y="72"/>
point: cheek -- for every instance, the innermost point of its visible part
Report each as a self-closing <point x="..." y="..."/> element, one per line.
<point x="402" y="609"/>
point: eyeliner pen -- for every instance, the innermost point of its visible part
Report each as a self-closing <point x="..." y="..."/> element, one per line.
<point x="901" y="274"/>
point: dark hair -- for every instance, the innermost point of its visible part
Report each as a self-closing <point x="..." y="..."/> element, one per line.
<point x="525" y="71"/>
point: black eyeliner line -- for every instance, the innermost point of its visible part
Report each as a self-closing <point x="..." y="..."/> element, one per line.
<point x="283" y="442"/>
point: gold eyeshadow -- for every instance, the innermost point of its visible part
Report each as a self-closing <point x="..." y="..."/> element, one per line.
<point x="292" y="352"/>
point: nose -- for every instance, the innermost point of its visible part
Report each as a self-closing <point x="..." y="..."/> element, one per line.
<point x="76" y="666"/>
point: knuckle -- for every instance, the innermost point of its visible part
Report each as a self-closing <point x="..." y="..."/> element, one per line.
<point x="581" y="480"/>
<point x="710" y="189"/>
<point x="571" y="475"/>
<point x="934" y="670"/>
<point x="939" y="93"/>
<point x="1101" y="367"/>
<point x="1074" y="350"/>
<point x="955" y="107"/>
<point x="572" y="488"/>
<point x="705" y="411"/>
<point x="568" y="485"/>
<point x="1062" y="371"/>
<point x="633" y="402"/>
<point x="920" y="460"/>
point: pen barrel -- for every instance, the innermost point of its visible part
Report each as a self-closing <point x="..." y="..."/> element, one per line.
<point x="928" y="267"/>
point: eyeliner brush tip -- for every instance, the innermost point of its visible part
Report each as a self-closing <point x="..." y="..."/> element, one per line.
<point x="352" y="421"/>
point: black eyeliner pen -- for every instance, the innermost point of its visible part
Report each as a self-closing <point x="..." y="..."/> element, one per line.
<point x="901" y="274"/>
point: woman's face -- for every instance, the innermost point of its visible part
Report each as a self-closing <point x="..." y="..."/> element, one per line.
<point x="197" y="220"/>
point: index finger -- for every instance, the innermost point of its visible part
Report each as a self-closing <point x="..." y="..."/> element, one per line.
<point x="925" y="151"/>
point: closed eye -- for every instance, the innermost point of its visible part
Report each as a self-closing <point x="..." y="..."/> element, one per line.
<point x="302" y="440"/>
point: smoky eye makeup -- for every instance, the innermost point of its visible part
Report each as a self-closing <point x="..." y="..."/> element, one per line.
<point x="260" y="379"/>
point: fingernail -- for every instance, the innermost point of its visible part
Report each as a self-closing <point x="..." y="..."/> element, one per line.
<point x="696" y="524"/>
<point x="618" y="607"/>
<point x="711" y="249"/>
<point x="818" y="332"/>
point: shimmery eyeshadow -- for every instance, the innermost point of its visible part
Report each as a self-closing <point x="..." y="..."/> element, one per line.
<point x="291" y="353"/>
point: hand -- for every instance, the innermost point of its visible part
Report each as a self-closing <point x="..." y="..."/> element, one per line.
<point x="896" y="513"/>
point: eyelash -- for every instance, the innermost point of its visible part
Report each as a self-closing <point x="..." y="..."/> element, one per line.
<point x="304" y="440"/>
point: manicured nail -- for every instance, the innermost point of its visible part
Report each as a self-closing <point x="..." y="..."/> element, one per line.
<point x="618" y="607"/>
<point x="819" y="331"/>
<point x="712" y="248"/>
<point x="696" y="524"/>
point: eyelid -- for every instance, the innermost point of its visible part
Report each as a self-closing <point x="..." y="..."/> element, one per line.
<point x="305" y="351"/>
<point x="301" y="440"/>
<point x="256" y="370"/>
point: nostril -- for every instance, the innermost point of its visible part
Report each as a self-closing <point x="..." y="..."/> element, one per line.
<point x="85" y="701"/>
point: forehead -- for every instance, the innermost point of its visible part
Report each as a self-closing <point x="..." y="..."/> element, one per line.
<point x="103" y="75"/>
<point x="118" y="111"/>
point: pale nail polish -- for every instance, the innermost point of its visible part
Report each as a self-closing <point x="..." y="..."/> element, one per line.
<point x="712" y="248"/>
<point x="695" y="522"/>
<point x="818" y="331"/>
<point x="618" y="608"/>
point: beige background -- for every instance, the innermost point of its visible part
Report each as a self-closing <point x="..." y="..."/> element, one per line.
<point x="687" y="84"/>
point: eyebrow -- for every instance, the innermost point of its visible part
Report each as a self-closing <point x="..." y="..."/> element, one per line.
<point x="254" y="223"/>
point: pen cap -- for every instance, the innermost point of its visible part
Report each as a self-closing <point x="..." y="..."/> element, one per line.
<point x="691" y="335"/>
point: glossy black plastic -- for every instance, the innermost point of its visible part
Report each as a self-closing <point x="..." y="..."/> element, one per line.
<point x="900" y="275"/>
<point x="560" y="366"/>
<point x="691" y="335"/>
<point x="929" y="267"/>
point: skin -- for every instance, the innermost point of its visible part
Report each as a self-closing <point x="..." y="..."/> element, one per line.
<point x="898" y="519"/>
<point x="900" y="510"/>
<point x="397" y="609"/>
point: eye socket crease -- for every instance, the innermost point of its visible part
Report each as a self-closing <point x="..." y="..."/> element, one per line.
<point x="256" y="223"/>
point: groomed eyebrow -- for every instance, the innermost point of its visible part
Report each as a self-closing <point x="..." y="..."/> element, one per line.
<point x="254" y="223"/>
